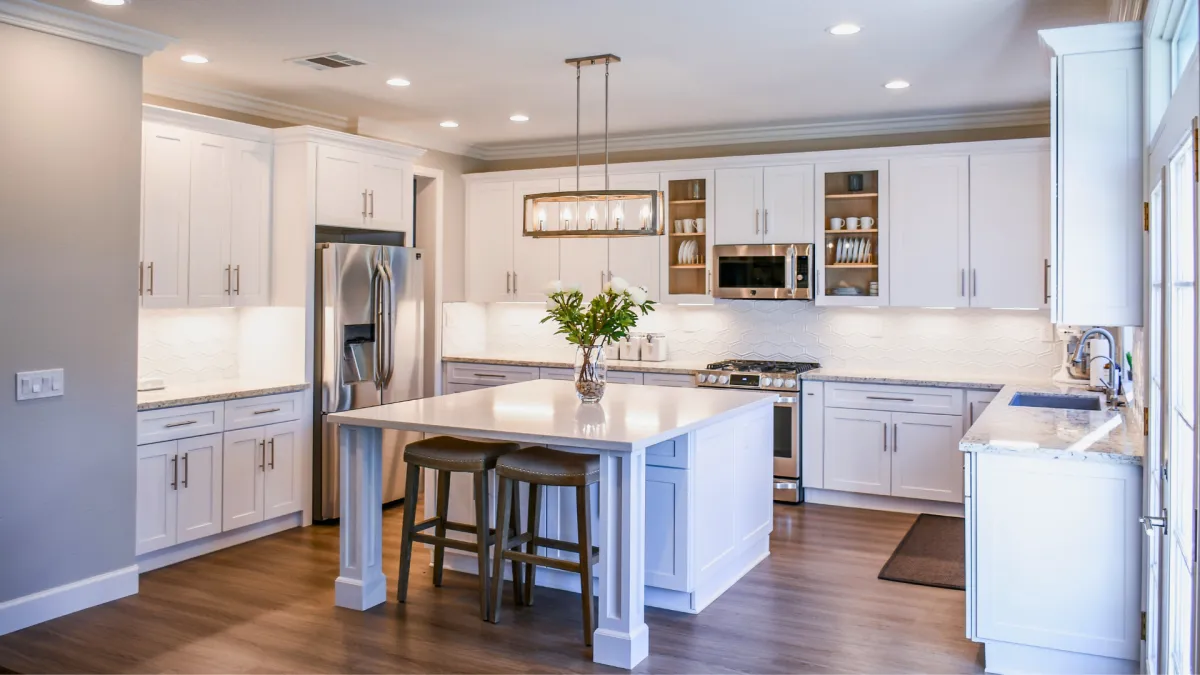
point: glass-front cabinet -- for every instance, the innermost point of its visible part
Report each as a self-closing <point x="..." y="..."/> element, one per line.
<point x="851" y="245"/>
<point x="687" y="250"/>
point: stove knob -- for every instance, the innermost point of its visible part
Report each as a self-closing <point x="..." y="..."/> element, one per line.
<point x="778" y="382"/>
<point x="789" y="383"/>
<point x="764" y="382"/>
<point x="712" y="379"/>
<point x="699" y="378"/>
<point x="722" y="380"/>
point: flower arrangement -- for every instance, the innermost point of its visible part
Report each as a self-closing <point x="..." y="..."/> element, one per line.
<point x="608" y="317"/>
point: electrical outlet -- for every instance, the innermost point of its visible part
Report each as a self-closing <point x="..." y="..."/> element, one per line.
<point x="40" y="384"/>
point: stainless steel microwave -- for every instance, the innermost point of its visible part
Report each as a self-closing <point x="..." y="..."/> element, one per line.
<point x="763" y="271"/>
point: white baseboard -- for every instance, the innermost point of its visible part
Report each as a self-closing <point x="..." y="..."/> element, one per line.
<point x="881" y="502"/>
<point x="66" y="599"/>
<point x="1007" y="658"/>
<point x="192" y="549"/>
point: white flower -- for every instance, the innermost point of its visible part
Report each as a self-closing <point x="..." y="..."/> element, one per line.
<point x="551" y="304"/>
<point x="638" y="294"/>
<point x="573" y="286"/>
<point x="619" y="285"/>
<point x="553" y="287"/>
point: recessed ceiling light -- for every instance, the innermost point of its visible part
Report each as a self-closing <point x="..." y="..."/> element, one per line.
<point x="449" y="124"/>
<point x="519" y="118"/>
<point x="399" y="82"/>
<point x="843" y="29"/>
<point x="193" y="58"/>
<point x="109" y="3"/>
<point x="896" y="84"/>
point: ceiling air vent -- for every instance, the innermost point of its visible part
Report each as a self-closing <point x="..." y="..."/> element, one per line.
<point x="328" y="61"/>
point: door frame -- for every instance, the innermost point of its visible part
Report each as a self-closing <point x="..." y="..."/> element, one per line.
<point x="439" y="267"/>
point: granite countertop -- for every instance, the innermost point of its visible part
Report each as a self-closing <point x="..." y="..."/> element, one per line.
<point x="212" y="392"/>
<point x="950" y="380"/>
<point x="1110" y="435"/>
<point x="559" y="360"/>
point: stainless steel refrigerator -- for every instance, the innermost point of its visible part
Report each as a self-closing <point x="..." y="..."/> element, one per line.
<point x="368" y="351"/>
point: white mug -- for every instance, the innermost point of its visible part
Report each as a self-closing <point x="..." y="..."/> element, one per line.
<point x="689" y="225"/>
<point x="867" y="222"/>
<point x="852" y="223"/>
<point x="678" y="226"/>
<point x="699" y="224"/>
<point x="836" y="223"/>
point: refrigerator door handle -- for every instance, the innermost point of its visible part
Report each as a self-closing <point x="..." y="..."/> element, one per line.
<point x="377" y="293"/>
<point x="389" y="328"/>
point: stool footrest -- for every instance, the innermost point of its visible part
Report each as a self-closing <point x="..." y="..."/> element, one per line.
<point x="434" y="540"/>
<point x="542" y="561"/>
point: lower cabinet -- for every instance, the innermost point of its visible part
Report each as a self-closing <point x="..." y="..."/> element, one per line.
<point x="856" y="451"/>
<point x="178" y="492"/>
<point x="262" y="474"/>
<point x="977" y="402"/>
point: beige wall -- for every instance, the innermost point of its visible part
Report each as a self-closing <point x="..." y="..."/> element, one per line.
<point x="70" y="139"/>
<point x="221" y="113"/>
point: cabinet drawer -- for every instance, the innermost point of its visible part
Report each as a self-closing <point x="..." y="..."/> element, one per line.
<point x="897" y="399"/>
<point x="168" y="424"/>
<point x="565" y="374"/>
<point x="261" y="411"/>
<point x="624" y="377"/>
<point x="669" y="380"/>
<point x="672" y="453"/>
<point x="478" y="373"/>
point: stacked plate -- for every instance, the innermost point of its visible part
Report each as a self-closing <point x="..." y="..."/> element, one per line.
<point x="689" y="253"/>
<point x="852" y="251"/>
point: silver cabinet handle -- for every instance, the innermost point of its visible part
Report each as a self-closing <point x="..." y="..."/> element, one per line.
<point x="766" y="220"/>
<point x="507" y="283"/>
<point x="263" y="464"/>
<point x="237" y="280"/>
<point x="708" y="290"/>
<point x="489" y="375"/>
<point x="962" y="283"/>
<point x="895" y="438"/>
<point x="1046" y="280"/>
<point x="889" y="398"/>
<point x="179" y="424"/>
<point x="141" y="277"/>
<point x="175" y="472"/>
<point x="885" y="436"/>
<point x="514" y="283"/>
<point x="974" y="282"/>
<point x="264" y="412"/>
<point x="150" y="287"/>
<point x="756" y="212"/>
<point x="364" y="203"/>
<point x="372" y="194"/>
<point x="228" y="279"/>
<point x="272" y="453"/>
<point x="185" y="469"/>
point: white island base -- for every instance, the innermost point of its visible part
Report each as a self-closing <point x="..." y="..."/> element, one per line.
<point x="660" y="450"/>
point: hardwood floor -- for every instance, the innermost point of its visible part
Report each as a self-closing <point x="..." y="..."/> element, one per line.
<point x="815" y="605"/>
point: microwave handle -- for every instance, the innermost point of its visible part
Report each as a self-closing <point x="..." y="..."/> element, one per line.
<point x="789" y="270"/>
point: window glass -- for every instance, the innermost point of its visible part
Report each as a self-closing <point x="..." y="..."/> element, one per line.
<point x="1183" y="45"/>
<point x="1181" y="237"/>
<point x="1154" y="335"/>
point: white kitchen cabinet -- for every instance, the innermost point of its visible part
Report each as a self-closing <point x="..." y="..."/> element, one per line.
<point x="929" y="241"/>
<point x="668" y="380"/>
<point x="739" y="199"/>
<point x="534" y="261"/>
<point x="490" y="242"/>
<point x="166" y="187"/>
<point x="977" y="402"/>
<point x="1096" y="164"/>
<point x="624" y="377"/>
<point x="583" y="261"/>
<point x="857" y="457"/>
<point x="250" y="240"/>
<point x="835" y="199"/>
<point x="788" y="208"/>
<point x="282" y="476"/>
<point x="926" y="461"/>
<point x="689" y="195"/>
<point x="636" y="259"/>
<point x="812" y="435"/>
<point x="666" y="532"/>
<point x="210" y="280"/>
<point x="389" y="185"/>
<point x="199" y="493"/>
<point x="243" y="469"/>
<point x="1010" y="230"/>
<point x="157" y="504"/>
<point x="363" y="190"/>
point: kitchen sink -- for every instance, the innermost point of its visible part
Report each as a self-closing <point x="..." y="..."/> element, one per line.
<point x="1058" y="401"/>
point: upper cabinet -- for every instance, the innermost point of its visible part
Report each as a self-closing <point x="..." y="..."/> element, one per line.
<point x="853" y="226"/>
<point x="1010" y="229"/>
<point x="166" y="174"/>
<point x="490" y="232"/>
<point x="636" y="259"/>
<point x="739" y="199"/>
<point x="534" y="261"/>
<point x="772" y="205"/>
<point x="930" y="251"/>
<point x="685" y="256"/>
<point x="1096" y="163"/>
<point x="363" y="190"/>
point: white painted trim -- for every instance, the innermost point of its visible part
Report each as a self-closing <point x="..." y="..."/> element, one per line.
<point x="193" y="549"/>
<point x="66" y="599"/>
<point x="226" y="99"/>
<point x="1105" y="37"/>
<point x="439" y="267"/>
<point x="1007" y="657"/>
<point x="310" y="134"/>
<point x="206" y="124"/>
<point x="391" y="131"/>
<point x="82" y="27"/>
<point x="881" y="502"/>
<point x="780" y="159"/>
<point x="771" y="133"/>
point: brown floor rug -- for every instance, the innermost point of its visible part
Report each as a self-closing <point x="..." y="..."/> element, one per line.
<point x="933" y="553"/>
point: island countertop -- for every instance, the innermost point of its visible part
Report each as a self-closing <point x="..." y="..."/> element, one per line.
<point x="550" y="411"/>
<point x="1110" y="435"/>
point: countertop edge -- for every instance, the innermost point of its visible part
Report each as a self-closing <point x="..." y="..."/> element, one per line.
<point x="613" y="364"/>
<point x="902" y="381"/>
<point x="221" y="396"/>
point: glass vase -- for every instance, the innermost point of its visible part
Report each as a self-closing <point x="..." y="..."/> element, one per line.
<point x="591" y="372"/>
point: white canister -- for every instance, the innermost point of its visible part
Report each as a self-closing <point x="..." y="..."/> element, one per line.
<point x="631" y="347"/>
<point x="612" y="349"/>
<point x="655" y="348"/>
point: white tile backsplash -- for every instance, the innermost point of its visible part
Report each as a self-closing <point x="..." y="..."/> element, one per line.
<point x="191" y="346"/>
<point x="976" y="341"/>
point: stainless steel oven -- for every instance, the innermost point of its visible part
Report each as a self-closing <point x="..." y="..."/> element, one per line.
<point x="787" y="448"/>
<point x="763" y="271"/>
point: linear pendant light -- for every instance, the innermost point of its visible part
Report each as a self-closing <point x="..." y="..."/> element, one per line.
<point x="593" y="213"/>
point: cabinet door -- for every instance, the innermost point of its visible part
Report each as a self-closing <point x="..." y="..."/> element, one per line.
<point x="926" y="461"/>
<point x="930" y="229"/>
<point x="282" y="480"/>
<point x="835" y="199"/>
<point x="341" y="187"/>
<point x="210" y="278"/>
<point x="584" y="261"/>
<point x="622" y="377"/>
<point x="739" y="198"/>
<point x="389" y="184"/>
<point x="689" y="195"/>
<point x="1010" y="229"/>
<point x="200" y="483"/>
<point x="243" y="469"/>
<point x="977" y="402"/>
<point x="666" y="528"/>
<point x="157" y="492"/>
<point x="788" y="208"/>
<point x="812" y="435"/>
<point x="250" y="250"/>
<point x="636" y="259"/>
<point x="489" y="242"/>
<point x="534" y="261"/>
<point x="856" y="451"/>
<point x="166" y="171"/>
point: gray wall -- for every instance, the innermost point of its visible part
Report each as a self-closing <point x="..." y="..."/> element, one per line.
<point x="70" y="139"/>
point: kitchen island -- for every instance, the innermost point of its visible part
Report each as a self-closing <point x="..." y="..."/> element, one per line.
<point x="718" y="443"/>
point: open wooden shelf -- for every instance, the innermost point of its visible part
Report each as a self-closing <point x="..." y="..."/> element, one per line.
<point x="688" y="201"/>
<point x="852" y="195"/>
<point x="845" y="231"/>
<point x="687" y="234"/>
<point x="689" y="267"/>
<point x="847" y="266"/>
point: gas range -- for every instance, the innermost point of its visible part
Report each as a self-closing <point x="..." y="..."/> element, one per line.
<point x="765" y="375"/>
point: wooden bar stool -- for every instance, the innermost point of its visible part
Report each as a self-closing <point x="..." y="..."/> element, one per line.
<point x="447" y="455"/>
<point x="540" y="466"/>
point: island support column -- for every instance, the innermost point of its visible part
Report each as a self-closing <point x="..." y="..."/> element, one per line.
<point x="361" y="583"/>
<point x="622" y="638"/>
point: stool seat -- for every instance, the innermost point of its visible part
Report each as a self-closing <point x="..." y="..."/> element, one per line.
<point x="544" y="466"/>
<point x="448" y="453"/>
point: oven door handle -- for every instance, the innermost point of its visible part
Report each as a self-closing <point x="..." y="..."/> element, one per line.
<point x="789" y="401"/>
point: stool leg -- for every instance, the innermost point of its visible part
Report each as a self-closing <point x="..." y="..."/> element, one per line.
<point x="584" y="511"/>
<point x="534" y="520"/>
<point x="481" y="539"/>
<point x="412" y="480"/>
<point x="503" y="517"/>
<point x="443" y="508"/>
<point x="515" y="523"/>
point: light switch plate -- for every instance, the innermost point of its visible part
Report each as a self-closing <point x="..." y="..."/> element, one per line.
<point x="40" y="384"/>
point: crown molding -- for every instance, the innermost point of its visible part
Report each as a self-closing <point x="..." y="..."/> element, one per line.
<point x="226" y="99"/>
<point x="1105" y="37"/>
<point x="771" y="133"/>
<point x="205" y="123"/>
<point x="393" y="131"/>
<point x="1127" y="10"/>
<point x="309" y="134"/>
<point x="82" y="27"/>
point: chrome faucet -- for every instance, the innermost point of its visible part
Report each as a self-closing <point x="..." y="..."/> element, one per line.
<point x="1115" y="385"/>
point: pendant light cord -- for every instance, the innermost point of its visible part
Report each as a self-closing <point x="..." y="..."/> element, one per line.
<point x="605" y="124"/>
<point x="577" y="113"/>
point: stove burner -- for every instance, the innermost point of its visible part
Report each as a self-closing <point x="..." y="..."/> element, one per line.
<point x="763" y="366"/>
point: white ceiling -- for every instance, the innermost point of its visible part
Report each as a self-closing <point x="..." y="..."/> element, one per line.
<point x="688" y="64"/>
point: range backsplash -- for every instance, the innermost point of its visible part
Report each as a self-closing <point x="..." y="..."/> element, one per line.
<point x="996" y="342"/>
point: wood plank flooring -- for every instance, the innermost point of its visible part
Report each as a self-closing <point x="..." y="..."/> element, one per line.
<point x="815" y="605"/>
